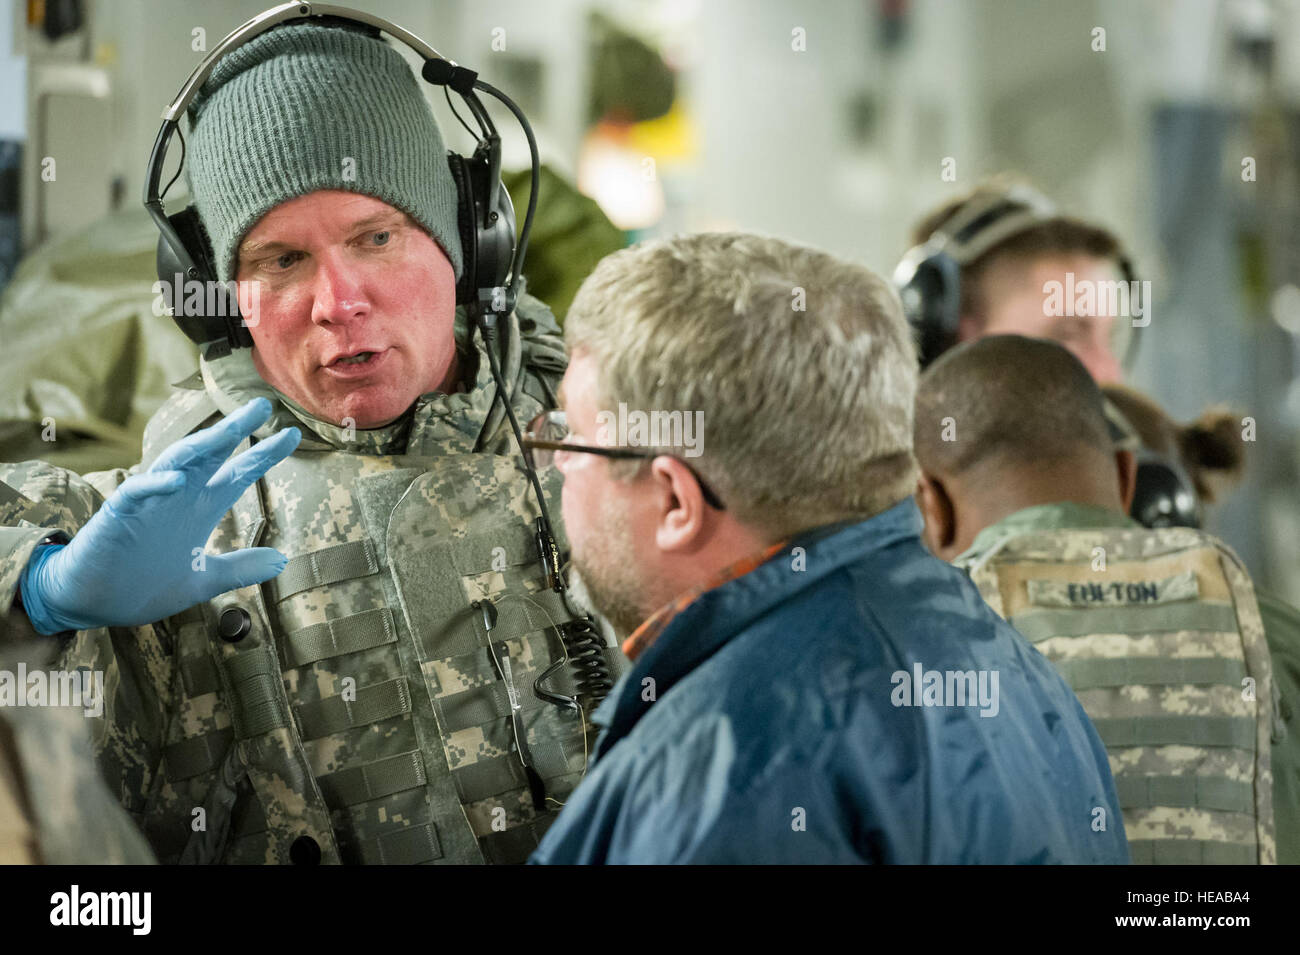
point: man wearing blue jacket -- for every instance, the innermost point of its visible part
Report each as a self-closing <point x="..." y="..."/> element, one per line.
<point x="809" y="684"/>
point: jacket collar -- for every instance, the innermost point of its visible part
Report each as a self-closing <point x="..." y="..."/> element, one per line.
<point x="720" y="614"/>
<point x="1041" y="517"/>
<point x="436" y="423"/>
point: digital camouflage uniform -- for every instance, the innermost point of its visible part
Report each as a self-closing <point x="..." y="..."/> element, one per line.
<point x="1282" y="630"/>
<point x="1160" y="635"/>
<point x="347" y="710"/>
<point x="54" y="807"/>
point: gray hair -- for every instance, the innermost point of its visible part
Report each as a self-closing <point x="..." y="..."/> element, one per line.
<point x="801" y="363"/>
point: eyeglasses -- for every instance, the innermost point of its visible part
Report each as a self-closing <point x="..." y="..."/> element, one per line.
<point x="549" y="432"/>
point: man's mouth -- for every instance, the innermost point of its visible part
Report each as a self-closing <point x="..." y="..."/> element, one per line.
<point x="359" y="359"/>
<point x="356" y="364"/>
<point x="353" y="358"/>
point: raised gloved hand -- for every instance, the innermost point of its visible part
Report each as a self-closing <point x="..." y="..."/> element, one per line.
<point x="135" y="561"/>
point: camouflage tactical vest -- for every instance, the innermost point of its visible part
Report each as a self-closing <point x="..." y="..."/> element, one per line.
<point x="1159" y="634"/>
<point x="349" y="710"/>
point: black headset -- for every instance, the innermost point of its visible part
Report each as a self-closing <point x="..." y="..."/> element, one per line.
<point x="1164" y="495"/>
<point x="928" y="277"/>
<point x="488" y="285"/>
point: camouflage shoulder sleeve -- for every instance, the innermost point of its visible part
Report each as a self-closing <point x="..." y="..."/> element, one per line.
<point x="38" y="500"/>
<point x="543" y="349"/>
<point x="17" y="838"/>
<point x="1282" y="630"/>
<point x="73" y="817"/>
<point x="1260" y="664"/>
<point x="185" y="410"/>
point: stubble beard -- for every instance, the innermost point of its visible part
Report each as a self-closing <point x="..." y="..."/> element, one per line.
<point x="605" y="580"/>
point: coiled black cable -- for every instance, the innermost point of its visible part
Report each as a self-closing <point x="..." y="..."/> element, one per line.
<point x="586" y="648"/>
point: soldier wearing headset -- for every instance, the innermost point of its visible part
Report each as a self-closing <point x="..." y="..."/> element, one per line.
<point x="349" y="641"/>
<point x="979" y="266"/>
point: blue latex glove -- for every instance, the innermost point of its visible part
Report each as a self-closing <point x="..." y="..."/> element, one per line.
<point x="133" y="562"/>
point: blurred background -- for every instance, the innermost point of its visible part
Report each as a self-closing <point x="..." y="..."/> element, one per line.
<point x="830" y="123"/>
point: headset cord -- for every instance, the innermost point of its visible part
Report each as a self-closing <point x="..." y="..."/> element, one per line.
<point x="586" y="649"/>
<point x="582" y="642"/>
<point x="535" y="176"/>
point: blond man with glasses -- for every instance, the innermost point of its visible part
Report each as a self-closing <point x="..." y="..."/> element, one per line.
<point x="776" y="600"/>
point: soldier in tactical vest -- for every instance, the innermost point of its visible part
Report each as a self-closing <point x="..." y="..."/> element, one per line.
<point x="1158" y="631"/>
<point x="339" y="644"/>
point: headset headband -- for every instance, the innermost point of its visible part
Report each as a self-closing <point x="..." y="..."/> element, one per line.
<point x="437" y="69"/>
<point x="986" y="221"/>
<point x="928" y="276"/>
<point x="491" y="283"/>
<point x="275" y="16"/>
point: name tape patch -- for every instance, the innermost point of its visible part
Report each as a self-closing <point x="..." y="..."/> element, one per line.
<point x="1087" y="593"/>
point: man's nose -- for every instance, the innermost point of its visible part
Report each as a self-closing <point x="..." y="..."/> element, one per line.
<point x="560" y="460"/>
<point x="1101" y="364"/>
<point x="340" y="295"/>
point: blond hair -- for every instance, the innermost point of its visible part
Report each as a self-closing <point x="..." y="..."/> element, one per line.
<point x="801" y="363"/>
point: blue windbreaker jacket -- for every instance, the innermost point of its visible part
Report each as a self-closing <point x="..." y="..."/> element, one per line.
<point x="850" y="700"/>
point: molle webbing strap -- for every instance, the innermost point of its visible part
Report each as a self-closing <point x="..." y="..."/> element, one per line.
<point x="199" y="674"/>
<point x="476" y="668"/>
<point x="495" y="775"/>
<point x="1139" y="616"/>
<point x="336" y="637"/>
<point x="375" y="780"/>
<point x="1039" y="625"/>
<point x="1191" y="852"/>
<point x="1092" y="673"/>
<point x="464" y="639"/>
<point x="195" y="755"/>
<point x="408" y="846"/>
<point x="256" y="693"/>
<point x="1185" y="792"/>
<point x="514" y="845"/>
<point x="482" y="704"/>
<point x="372" y="704"/>
<point x="250" y="818"/>
<point x="489" y="777"/>
<point x="328" y="565"/>
<point x="1234" y="731"/>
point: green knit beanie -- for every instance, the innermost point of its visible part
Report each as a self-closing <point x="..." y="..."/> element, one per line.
<point x="306" y="107"/>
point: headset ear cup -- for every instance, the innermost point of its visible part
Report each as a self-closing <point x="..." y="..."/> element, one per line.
<point x="1164" y="496"/>
<point x="488" y="252"/>
<point x="190" y="228"/>
<point x="931" y="301"/>
<point x="180" y="253"/>
<point x="185" y="256"/>
<point x="467" y="287"/>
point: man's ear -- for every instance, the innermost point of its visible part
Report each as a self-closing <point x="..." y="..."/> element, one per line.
<point x="681" y="514"/>
<point x="1126" y="466"/>
<point x="969" y="327"/>
<point x="936" y="507"/>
